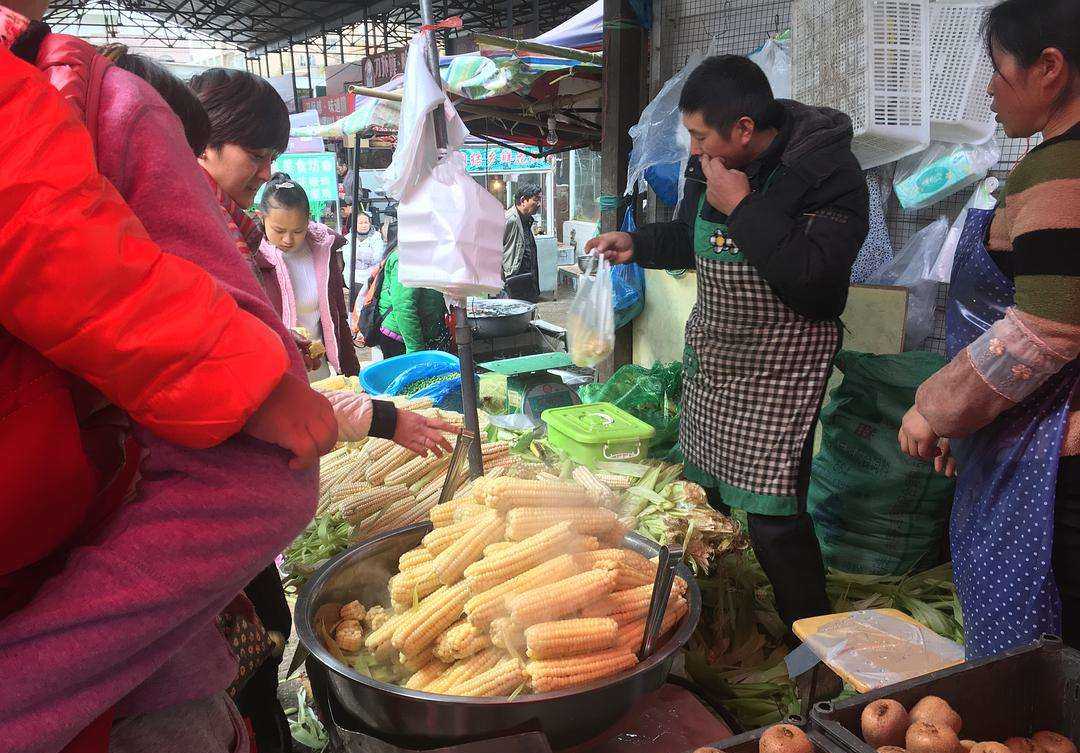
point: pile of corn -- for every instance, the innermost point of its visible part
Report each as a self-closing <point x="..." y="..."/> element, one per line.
<point x="376" y="485"/>
<point x="522" y="586"/>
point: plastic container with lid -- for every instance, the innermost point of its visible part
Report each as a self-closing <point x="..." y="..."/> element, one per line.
<point x="597" y="433"/>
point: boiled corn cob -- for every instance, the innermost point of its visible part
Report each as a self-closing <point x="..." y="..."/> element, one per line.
<point x="602" y="494"/>
<point x="502" y="679"/>
<point x="450" y="564"/>
<point x="349" y="636"/>
<point x="485" y="606"/>
<point x="556" y="600"/>
<point x="420" y="627"/>
<point x="418" y="662"/>
<point x="383" y="634"/>
<point x="441" y="538"/>
<point x="555" y="674"/>
<point x="630" y="605"/>
<point x="367" y="503"/>
<point x="376" y="617"/>
<point x="498" y="546"/>
<point x="469" y="511"/>
<point x="461" y="641"/>
<point x="613" y="481"/>
<point x="377" y="471"/>
<point x="504" y="493"/>
<point x="390" y="516"/>
<point x="354" y="610"/>
<point x="466" y="669"/>
<point x="523" y="522"/>
<point x="415" y="469"/>
<point x="508" y="636"/>
<point x="446" y="514"/>
<point x="426" y="675"/>
<point x="555" y="640"/>
<point x="631" y="635"/>
<point x="413" y="558"/>
<point x="409" y="587"/>
<point x="522" y="556"/>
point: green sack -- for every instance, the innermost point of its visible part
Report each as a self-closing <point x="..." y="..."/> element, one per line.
<point x="649" y="394"/>
<point x="876" y="510"/>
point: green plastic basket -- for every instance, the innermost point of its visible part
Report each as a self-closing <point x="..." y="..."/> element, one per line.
<point x="598" y="433"/>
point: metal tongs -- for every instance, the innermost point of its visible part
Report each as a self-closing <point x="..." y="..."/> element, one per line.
<point x="665" y="576"/>
<point x="457" y="460"/>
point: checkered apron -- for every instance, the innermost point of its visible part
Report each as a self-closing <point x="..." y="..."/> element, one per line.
<point x="754" y="375"/>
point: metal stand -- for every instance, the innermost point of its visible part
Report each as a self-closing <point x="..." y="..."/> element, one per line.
<point x="458" y="307"/>
<point x="352" y="230"/>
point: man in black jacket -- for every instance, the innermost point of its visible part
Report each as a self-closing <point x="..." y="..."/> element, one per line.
<point x="773" y="215"/>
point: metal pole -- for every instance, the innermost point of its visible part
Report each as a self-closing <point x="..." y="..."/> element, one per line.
<point x="459" y="307"/>
<point x="307" y="69"/>
<point x="355" y="209"/>
<point x="341" y="45"/>
<point x="325" y="58"/>
<point x="292" y="65"/>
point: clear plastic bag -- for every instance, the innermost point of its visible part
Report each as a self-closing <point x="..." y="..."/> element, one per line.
<point x="924" y="179"/>
<point x="774" y="58"/>
<point x="590" y="325"/>
<point x="912" y="269"/>
<point x="873" y="649"/>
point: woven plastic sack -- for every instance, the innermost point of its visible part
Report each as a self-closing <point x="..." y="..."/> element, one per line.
<point x="876" y="510"/>
<point x="651" y="395"/>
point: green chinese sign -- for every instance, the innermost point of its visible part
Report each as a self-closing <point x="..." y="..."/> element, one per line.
<point x="496" y="159"/>
<point x="315" y="171"/>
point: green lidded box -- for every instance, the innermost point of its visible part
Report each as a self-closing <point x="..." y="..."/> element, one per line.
<point x="598" y="432"/>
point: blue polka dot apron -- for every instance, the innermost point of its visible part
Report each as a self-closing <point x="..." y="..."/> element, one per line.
<point x="1002" y="523"/>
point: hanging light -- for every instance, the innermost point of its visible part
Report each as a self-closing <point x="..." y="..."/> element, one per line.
<point x="552" y="138"/>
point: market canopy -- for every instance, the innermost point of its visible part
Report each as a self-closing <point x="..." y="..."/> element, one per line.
<point x="543" y="91"/>
<point x="260" y="25"/>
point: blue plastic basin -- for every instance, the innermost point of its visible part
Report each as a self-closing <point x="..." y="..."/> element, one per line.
<point x="375" y="378"/>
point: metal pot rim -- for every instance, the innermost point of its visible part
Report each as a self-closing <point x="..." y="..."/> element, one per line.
<point x="306" y="633"/>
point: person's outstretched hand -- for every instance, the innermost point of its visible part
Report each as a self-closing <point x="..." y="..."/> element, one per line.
<point x="297" y="418"/>
<point x="617" y="247"/>
<point x="423" y="435"/>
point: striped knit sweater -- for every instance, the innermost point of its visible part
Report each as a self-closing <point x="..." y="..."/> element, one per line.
<point x="1035" y="240"/>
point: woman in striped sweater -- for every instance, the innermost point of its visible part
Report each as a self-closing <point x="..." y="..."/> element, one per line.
<point x="1008" y="401"/>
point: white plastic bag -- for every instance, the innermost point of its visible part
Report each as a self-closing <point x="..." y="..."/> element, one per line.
<point x="943" y="169"/>
<point x="590" y="325"/>
<point x="449" y="228"/>
<point x="775" y="59"/>
<point x="982" y="198"/>
<point x="911" y="269"/>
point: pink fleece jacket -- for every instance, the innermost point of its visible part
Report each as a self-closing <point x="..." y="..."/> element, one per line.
<point x="129" y="621"/>
<point x="320" y="240"/>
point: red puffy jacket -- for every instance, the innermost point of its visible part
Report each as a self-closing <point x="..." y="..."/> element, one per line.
<point x="83" y="290"/>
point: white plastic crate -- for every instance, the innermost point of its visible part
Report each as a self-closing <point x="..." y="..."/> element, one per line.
<point x="960" y="71"/>
<point x="867" y="58"/>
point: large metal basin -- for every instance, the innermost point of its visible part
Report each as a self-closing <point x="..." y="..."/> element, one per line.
<point x="416" y="719"/>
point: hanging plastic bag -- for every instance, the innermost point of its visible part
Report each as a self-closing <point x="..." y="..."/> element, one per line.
<point x="660" y="139"/>
<point x="627" y="282"/>
<point x="911" y="269"/>
<point x="774" y="58"/>
<point x="982" y="198"/>
<point x="924" y="179"/>
<point x="590" y="325"/>
<point x="449" y="227"/>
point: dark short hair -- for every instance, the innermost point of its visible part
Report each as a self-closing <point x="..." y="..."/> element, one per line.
<point x="282" y="191"/>
<point x="1024" y="28"/>
<point x="243" y="108"/>
<point x="725" y="88"/>
<point x="180" y="99"/>
<point x="526" y="192"/>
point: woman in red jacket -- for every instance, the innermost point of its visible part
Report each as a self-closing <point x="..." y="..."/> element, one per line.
<point x="112" y="326"/>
